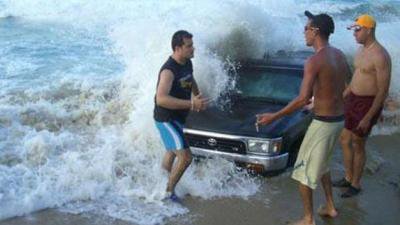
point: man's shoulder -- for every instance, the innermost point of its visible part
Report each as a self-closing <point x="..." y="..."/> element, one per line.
<point x="170" y="61"/>
<point x="168" y="66"/>
<point x="311" y="61"/>
<point x="312" y="64"/>
<point x="315" y="59"/>
<point x="380" y="54"/>
<point x="338" y="51"/>
<point x="167" y="72"/>
<point x="324" y="58"/>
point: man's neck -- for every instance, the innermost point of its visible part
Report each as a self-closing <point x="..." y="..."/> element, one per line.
<point x="320" y="44"/>
<point x="179" y="59"/>
<point x="369" y="43"/>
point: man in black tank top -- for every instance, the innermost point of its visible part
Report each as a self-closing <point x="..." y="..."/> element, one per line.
<point x="173" y="101"/>
<point x="181" y="88"/>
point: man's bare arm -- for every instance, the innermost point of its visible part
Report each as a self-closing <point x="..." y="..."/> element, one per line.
<point x="348" y="78"/>
<point x="383" y="71"/>
<point x="195" y="88"/>
<point x="163" y="98"/>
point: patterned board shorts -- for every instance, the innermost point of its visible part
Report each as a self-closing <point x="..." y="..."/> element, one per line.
<point x="172" y="135"/>
<point x="316" y="152"/>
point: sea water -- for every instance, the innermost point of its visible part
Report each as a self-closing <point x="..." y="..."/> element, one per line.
<point x="77" y="82"/>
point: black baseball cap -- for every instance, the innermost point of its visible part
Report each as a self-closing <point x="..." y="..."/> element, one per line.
<point x="322" y="21"/>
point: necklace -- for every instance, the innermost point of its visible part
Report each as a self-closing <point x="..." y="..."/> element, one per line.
<point x="370" y="46"/>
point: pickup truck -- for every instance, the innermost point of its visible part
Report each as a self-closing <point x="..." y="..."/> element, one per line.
<point x="227" y="129"/>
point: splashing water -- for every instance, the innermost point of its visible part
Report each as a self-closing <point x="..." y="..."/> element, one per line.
<point x="77" y="81"/>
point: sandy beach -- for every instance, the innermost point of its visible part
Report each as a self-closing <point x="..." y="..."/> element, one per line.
<point x="278" y="201"/>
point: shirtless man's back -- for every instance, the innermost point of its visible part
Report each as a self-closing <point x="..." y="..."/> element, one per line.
<point x="330" y="82"/>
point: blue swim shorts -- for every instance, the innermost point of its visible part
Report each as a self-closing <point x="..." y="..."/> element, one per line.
<point x="172" y="135"/>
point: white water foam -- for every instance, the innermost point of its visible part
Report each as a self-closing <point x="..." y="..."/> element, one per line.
<point x="81" y="136"/>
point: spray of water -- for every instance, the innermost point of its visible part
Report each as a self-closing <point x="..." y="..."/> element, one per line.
<point x="78" y="82"/>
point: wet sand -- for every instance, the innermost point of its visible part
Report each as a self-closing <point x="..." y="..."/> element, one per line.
<point x="278" y="201"/>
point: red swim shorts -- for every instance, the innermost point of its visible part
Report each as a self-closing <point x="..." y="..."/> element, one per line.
<point x="355" y="108"/>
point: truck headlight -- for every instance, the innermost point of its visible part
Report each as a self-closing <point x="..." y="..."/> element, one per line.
<point x="264" y="146"/>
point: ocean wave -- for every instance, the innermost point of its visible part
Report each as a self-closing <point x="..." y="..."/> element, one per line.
<point x="76" y="127"/>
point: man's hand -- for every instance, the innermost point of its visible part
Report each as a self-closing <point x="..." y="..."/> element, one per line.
<point x="346" y="92"/>
<point x="199" y="103"/>
<point x="310" y="104"/>
<point x="364" y="125"/>
<point x="265" y="118"/>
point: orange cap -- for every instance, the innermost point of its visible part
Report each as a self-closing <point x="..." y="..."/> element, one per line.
<point x="365" y="20"/>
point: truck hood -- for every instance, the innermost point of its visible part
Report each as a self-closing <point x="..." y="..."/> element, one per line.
<point x="240" y="118"/>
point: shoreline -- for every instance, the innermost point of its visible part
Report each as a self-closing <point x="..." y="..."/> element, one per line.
<point x="278" y="201"/>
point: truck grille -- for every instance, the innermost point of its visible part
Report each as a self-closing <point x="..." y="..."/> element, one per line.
<point x="219" y="144"/>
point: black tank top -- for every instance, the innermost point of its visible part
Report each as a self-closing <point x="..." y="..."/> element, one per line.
<point x="181" y="88"/>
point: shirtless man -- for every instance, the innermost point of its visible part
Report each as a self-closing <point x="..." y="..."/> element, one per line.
<point x="364" y="99"/>
<point x="324" y="77"/>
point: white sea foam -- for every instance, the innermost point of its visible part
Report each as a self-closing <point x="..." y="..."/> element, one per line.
<point x="77" y="87"/>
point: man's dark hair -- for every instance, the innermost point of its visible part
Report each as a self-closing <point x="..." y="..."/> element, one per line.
<point x="177" y="38"/>
<point x="323" y="22"/>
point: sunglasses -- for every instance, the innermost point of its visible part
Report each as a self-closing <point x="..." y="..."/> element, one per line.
<point x="357" y="28"/>
<point x="306" y="28"/>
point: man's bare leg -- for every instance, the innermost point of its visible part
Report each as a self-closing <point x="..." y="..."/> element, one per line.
<point x="184" y="158"/>
<point x="359" y="160"/>
<point x="306" y="196"/>
<point x="329" y="209"/>
<point x="168" y="161"/>
<point x="348" y="153"/>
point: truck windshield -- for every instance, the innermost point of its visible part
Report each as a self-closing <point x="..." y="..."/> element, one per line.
<point x="270" y="85"/>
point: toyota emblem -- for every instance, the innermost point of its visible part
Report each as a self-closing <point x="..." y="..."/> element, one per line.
<point x="212" y="142"/>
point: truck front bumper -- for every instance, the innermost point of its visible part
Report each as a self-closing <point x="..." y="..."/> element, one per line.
<point x="270" y="163"/>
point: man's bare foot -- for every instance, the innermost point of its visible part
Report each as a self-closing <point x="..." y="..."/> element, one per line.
<point x="325" y="212"/>
<point x="303" y="222"/>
